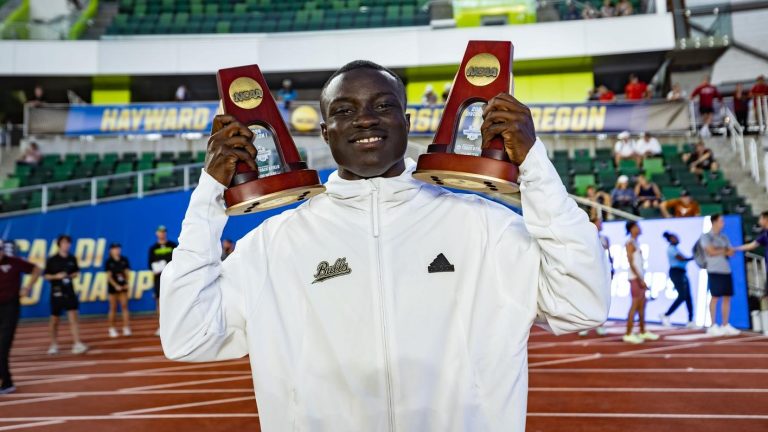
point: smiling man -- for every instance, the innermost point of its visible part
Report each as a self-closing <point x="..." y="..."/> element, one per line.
<point x="384" y="304"/>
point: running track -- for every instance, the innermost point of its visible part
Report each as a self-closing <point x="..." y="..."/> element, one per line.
<point x="685" y="382"/>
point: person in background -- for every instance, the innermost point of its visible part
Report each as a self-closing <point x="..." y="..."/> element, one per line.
<point x="635" y="89"/>
<point x="717" y="249"/>
<point x="624" y="8"/>
<point x="761" y="240"/>
<point x="11" y="269"/>
<point x="607" y="10"/>
<point x="430" y="97"/>
<point x="600" y="197"/>
<point x="605" y="95"/>
<point x="160" y="255"/>
<point x="606" y="243"/>
<point x="60" y="270"/>
<point x="446" y="92"/>
<point x="622" y="196"/>
<point x="637" y="287"/>
<point x="625" y="149"/>
<point x="685" y="206"/>
<point x="647" y="193"/>
<point x="117" y="267"/>
<point x="707" y="93"/>
<point x="677" y="273"/>
<point x="701" y="159"/>
<point x="571" y="13"/>
<point x="649" y="91"/>
<point x="760" y="88"/>
<point x="38" y="97"/>
<point x="182" y="94"/>
<point x="227" y="247"/>
<point x="676" y="93"/>
<point x="31" y="156"/>
<point x="647" y="146"/>
<point x="589" y="12"/>
<point x="287" y="94"/>
<point x="741" y="105"/>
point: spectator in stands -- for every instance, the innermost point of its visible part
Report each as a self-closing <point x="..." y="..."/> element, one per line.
<point x="701" y="159"/>
<point x="592" y="95"/>
<point x="622" y="196"/>
<point x="637" y="286"/>
<point x="10" y="308"/>
<point x="740" y="105"/>
<point x="717" y="248"/>
<point x="571" y="13"/>
<point x="605" y="95"/>
<point x="625" y="149"/>
<point x="430" y="97"/>
<point x="624" y="8"/>
<point x="679" y="277"/>
<point x="761" y="240"/>
<point x="685" y="206"/>
<point x="446" y="92"/>
<point x="31" y="155"/>
<point x="589" y="12"/>
<point x="707" y="93"/>
<point x="607" y="10"/>
<point x="546" y="12"/>
<point x="60" y="270"/>
<point x="647" y="193"/>
<point x="599" y="197"/>
<point x="647" y="146"/>
<point x="182" y="94"/>
<point x="287" y="94"/>
<point x="676" y="93"/>
<point x="117" y="268"/>
<point x="160" y="255"/>
<point x="760" y="88"/>
<point x="227" y="247"/>
<point x="38" y="97"/>
<point x="635" y="89"/>
<point x="649" y="91"/>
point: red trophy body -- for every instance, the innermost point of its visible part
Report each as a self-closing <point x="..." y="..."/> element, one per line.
<point x="485" y="71"/>
<point x="245" y="96"/>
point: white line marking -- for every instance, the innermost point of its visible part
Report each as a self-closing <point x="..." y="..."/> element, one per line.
<point x="53" y="380"/>
<point x="192" y="366"/>
<point x="740" y="340"/>
<point x="567" y="360"/>
<point x="137" y="392"/>
<point x="647" y="390"/>
<point x="187" y="405"/>
<point x="657" y="370"/>
<point x="125" y="375"/>
<point x="662" y="348"/>
<point x="131" y="417"/>
<point x="28" y="425"/>
<point x="657" y="415"/>
<point x="34" y="400"/>
<point x="184" y="383"/>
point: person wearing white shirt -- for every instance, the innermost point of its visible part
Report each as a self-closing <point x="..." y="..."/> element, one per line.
<point x="625" y="149"/>
<point x="647" y="146"/>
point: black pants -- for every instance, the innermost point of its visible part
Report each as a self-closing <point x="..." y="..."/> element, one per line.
<point x="680" y="280"/>
<point x="9" y="319"/>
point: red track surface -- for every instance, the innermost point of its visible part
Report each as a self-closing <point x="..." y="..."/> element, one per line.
<point x="684" y="382"/>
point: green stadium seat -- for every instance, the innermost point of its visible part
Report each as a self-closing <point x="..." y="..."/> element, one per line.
<point x="581" y="181"/>
<point x="649" y="213"/>
<point x="626" y="163"/>
<point x="671" y="192"/>
<point x="708" y="209"/>
<point x="653" y="166"/>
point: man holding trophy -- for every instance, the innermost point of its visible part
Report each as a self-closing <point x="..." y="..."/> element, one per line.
<point x="385" y="303"/>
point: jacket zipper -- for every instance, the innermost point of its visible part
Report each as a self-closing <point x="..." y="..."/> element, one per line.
<point x="387" y="372"/>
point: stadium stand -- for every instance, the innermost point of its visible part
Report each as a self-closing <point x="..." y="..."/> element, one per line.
<point x="143" y="17"/>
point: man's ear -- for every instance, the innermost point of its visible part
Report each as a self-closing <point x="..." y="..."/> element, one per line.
<point x="408" y="121"/>
<point x="324" y="131"/>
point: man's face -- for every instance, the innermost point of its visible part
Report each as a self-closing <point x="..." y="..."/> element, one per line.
<point x="763" y="221"/>
<point x="64" y="246"/>
<point x="365" y="124"/>
<point x="718" y="224"/>
<point x="115" y="252"/>
<point x="685" y="199"/>
<point x="161" y="235"/>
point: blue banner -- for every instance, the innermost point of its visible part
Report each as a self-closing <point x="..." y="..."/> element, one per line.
<point x="155" y="118"/>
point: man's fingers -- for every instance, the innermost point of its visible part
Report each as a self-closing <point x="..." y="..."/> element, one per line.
<point x="241" y="142"/>
<point x="239" y="155"/>
<point x="504" y="102"/>
<point x="220" y="121"/>
<point x="491" y="131"/>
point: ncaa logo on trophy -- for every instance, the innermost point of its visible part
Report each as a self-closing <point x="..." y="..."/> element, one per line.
<point x="455" y="157"/>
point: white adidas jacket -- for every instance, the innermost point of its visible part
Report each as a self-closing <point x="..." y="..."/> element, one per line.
<point x="373" y="340"/>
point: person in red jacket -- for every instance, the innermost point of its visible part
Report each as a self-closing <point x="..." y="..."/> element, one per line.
<point x="758" y="90"/>
<point x="707" y="94"/>
<point x="605" y="95"/>
<point x="635" y="89"/>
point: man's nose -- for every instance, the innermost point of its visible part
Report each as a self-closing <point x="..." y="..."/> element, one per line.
<point x="366" y="118"/>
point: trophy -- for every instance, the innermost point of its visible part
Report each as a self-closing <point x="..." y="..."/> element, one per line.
<point x="245" y="96"/>
<point x="485" y="71"/>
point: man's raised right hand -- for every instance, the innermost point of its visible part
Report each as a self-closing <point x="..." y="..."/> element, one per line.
<point x="230" y="142"/>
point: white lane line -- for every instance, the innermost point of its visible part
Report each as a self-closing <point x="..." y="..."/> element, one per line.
<point x="657" y="416"/>
<point x="130" y="417"/>
<point x="193" y="366"/>
<point x="647" y="390"/>
<point x="34" y="400"/>
<point x="661" y="348"/>
<point x="55" y="365"/>
<point x="740" y="340"/>
<point x="29" y="425"/>
<point x="124" y="375"/>
<point x="53" y="380"/>
<point x="186" y="405"/>
<point x="567" y="360"/>
<point x="659" y="355"/>
<point x="136" y="392"/>
<point x="184" y="383"/>
<point x="657" y="370"/>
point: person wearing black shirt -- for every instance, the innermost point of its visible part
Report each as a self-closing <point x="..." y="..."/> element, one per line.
<point x="60" y="269"/>
<point x="159" y="256"/>
<point x="11" y="269"/>
<point x="117" y="267"/>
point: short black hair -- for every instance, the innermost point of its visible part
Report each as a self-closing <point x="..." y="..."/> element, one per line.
<point x="764" y="214"/>
<point x="630" y="225"/>
<point x="63" y="237"/>
<point x="713" y="218"/>
<point x="668" y="236"/>
<point x="360" y="64"/>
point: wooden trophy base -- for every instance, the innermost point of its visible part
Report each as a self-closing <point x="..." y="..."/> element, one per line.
<point x="274" y="191"/>
<point x="471" y="173"/>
